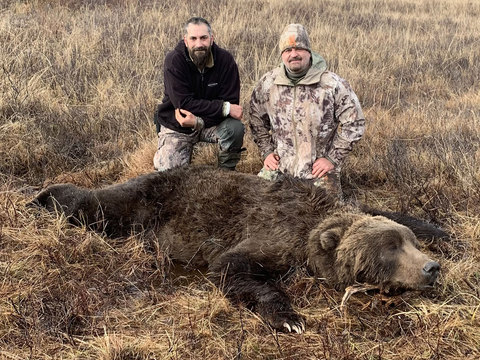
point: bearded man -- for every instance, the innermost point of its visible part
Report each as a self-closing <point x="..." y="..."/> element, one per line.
<point x="201" y="101"/>
<point x="304" y="118"/>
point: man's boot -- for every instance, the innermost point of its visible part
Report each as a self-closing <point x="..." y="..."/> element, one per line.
<point x="228" y="160"/>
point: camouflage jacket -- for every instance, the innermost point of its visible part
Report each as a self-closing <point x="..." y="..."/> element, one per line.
<point x="318" y="117"/>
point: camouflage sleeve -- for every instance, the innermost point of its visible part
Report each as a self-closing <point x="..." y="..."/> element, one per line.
<point x="259" y="120"/>
<point x="351" y="122"/>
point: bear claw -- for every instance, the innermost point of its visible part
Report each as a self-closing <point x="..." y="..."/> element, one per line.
<point x="299" y="328"/>
<point x="296" y="329"/>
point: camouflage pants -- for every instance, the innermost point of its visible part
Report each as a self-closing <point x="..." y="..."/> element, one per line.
<point x="330" y="182"/>
<point x="175" y="148"/>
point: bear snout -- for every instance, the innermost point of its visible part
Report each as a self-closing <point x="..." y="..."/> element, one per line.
<point x="430" y="271"/>
<point x="414" y="269"/>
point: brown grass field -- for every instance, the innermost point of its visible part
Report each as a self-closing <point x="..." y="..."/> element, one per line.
<point x="79" y="81"/>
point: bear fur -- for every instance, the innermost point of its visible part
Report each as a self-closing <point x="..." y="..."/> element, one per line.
<point x="248" y="231"/>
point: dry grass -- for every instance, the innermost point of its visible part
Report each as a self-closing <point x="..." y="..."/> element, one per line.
<point x="79" y="82"/>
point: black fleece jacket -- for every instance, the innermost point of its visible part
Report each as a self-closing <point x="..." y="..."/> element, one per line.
<point x="201" y="94"/>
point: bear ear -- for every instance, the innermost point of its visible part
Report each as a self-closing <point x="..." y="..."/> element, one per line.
<point x="329" y="233"/>
<point x="330" y="238"/>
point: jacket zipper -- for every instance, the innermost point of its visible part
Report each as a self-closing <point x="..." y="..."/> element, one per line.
<point x="294" y="125"/>
<point x="201" y="81"/>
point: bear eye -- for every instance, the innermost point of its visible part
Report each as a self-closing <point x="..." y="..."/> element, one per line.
<point x="415" y="242"/>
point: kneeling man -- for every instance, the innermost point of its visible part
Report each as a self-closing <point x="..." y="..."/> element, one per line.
<point x="201" y="101"/>
<point x="304" y="118"/>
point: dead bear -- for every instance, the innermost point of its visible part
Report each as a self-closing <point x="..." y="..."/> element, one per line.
<point x="248" y="231"/>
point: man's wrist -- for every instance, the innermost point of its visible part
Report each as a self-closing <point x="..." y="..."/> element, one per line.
<point x="334" y="163"/>
<point x="267" y="153"/>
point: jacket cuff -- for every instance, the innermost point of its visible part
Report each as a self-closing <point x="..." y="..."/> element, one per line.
<point x="334" y="162"/>
<point x="199" y="124"/>
<point x="226" y="109"/>
<point x="266" y="153"/>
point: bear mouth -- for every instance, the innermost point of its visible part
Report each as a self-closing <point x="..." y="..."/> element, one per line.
<point x="389" y="290"/>
<point x="398" y="289"/>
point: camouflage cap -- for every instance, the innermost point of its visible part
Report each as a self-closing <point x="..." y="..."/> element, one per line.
<point x="294" y="35"/>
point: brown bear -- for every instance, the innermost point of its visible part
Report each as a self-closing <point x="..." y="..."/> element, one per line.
<point x="248" y="231"/>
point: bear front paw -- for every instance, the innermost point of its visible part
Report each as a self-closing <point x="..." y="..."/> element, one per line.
<point x="288" y="323"/>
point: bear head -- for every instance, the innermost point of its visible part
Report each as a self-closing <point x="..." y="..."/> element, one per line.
<point x="66" y="199"/>
<point x="354" y="248"/>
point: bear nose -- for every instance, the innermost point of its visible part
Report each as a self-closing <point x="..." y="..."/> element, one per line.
<point x="430" y="270"/>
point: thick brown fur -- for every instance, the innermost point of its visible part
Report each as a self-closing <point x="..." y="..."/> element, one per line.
<point x="247" y="231"/>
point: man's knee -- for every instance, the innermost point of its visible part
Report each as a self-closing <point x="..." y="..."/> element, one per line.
<point x="163" y="161"/>
<point x="270" y="175"/>
<point x="230" y="134"/>
<point x="174" y="150"/>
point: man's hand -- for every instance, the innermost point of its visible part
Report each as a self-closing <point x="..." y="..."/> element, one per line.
<point x="321" y="167"/>
<point x="271" y="162"/>
<point x="236" y="111"/>
<point x="185" y="118"/>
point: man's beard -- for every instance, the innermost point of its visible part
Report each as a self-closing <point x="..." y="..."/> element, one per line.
<point x="200" y="55"/>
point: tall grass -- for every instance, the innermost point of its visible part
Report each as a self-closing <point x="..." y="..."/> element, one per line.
<point x="79" y="83"/>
